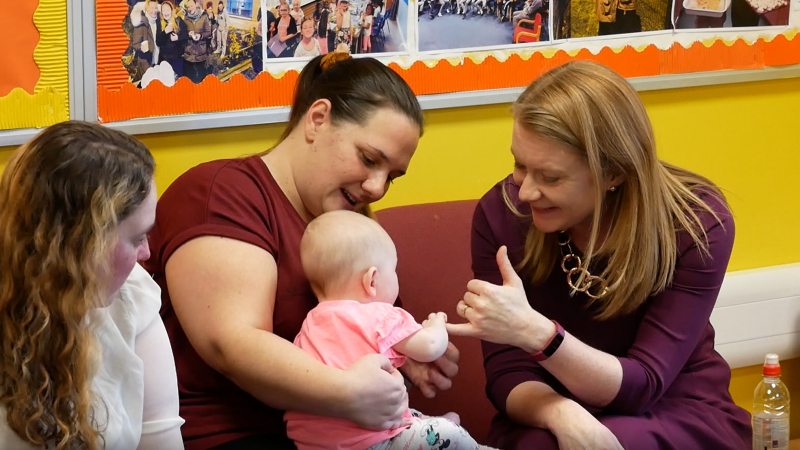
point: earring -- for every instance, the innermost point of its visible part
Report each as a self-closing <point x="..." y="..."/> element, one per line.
<point x="612" y="189"/>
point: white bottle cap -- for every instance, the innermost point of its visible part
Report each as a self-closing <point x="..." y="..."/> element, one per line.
<point x="771" y="359"/>
<point x="772" y="366"/>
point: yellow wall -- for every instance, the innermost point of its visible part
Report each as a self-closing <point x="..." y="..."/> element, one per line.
<point x="742" y="136"/>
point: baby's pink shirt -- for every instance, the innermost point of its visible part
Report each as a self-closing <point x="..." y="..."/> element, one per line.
<point x="339" y="333"/>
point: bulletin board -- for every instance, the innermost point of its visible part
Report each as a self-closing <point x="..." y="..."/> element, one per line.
<point x="678" y="42"/>
<point x="34" y="80"/>
<point x="78" y="60"/>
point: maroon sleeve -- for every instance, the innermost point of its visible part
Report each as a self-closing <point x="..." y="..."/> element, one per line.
<point x="223" y="199"/>
<point x="677" y="318"/>
<point x="506" y="366"/>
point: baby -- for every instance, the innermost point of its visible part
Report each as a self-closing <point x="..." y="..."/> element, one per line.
<point x="350" y="262"/>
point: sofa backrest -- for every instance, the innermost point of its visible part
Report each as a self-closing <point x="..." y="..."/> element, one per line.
<point x="434" y="266"/>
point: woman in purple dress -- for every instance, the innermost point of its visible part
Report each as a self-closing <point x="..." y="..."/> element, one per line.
<point x="597" y="267"/>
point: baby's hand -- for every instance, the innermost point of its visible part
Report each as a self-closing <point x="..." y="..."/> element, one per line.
<point x="437" y="319"/>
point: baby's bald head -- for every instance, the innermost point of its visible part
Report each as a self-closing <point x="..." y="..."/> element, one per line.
<point x="338" y="247"/>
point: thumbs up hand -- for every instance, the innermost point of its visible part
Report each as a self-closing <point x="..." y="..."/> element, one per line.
<point x="501" y="314"/>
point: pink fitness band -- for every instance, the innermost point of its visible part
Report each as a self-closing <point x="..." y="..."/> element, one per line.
<point x="552" y="345"/>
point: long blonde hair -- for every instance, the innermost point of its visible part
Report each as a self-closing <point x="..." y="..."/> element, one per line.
<point x="62" y="196"/>
<point x="171" y="20"/>
<point x="595" y="111"/>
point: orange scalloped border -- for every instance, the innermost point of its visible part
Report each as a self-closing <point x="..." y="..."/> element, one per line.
<point x="111" y="43"/>
<point x="119" y="100"/>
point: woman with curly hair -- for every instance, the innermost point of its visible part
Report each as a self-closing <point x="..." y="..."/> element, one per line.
<point x="81" y="337"/>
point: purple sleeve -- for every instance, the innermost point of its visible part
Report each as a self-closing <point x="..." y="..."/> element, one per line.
<point x="677" y="318"/>
<point x="506" y="366"/>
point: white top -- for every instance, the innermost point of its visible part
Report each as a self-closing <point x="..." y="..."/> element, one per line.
<point x="136" y="387"/>
<point x="297" y="16"/>
<point x="302" y="51"/>
<point x="367" y="26"/>
<point x="154" y="31"/>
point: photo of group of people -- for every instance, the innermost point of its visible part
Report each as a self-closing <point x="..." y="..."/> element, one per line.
<point x="457" y="24"/>
<point x="170" y="39"/>
<point x="294" y="30"/>
<point x="477" y="24"/>
<point x="697" y="14"/>
<point x="588" y="18"/>
<point x="189" y="38"/>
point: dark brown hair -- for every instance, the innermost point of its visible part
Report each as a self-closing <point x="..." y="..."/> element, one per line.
<point x="356" y="88"/>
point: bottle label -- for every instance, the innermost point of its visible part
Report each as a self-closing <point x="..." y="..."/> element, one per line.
<point x="770" y="433"/>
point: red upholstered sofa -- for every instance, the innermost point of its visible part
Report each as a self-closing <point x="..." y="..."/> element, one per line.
<point x="434" y="266"/>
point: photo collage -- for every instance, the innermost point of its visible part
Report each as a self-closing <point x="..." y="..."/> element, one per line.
<point x="170" y="39"/>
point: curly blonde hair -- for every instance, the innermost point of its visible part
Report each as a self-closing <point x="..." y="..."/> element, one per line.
<point x="62" y="196"/>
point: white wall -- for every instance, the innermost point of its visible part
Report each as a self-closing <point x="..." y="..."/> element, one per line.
<point x="758" y="312"/>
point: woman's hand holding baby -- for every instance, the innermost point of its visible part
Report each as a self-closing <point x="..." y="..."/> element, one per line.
<point x="430" y="377"/>
<point x="378" y="397"/>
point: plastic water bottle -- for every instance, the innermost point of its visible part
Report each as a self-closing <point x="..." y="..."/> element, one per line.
<point x="771" y="409"/>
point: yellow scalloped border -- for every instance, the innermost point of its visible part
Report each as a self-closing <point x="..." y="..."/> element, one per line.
<point x="49" y="103"/>
<point x="46" y="107"/>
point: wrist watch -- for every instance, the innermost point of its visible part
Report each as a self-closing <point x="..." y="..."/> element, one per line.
<point x="552" y="345"/>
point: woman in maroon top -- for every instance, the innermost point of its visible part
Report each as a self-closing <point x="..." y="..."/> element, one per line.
<point x="225" y="251"/>
<point x="597" y="267"/>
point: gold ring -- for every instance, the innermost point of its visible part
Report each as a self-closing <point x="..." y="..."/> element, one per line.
<point x="464" y="310"/>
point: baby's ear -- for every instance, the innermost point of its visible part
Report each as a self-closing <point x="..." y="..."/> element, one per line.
<point x="368" y="281"/>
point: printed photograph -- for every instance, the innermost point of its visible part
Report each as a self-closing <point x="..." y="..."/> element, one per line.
<point x="699" y="14"/>
<point x="191" y="38"/>
<point x="590" y="18"/>
<point x="307" y="28"/>
<point x="465" y="24"/>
